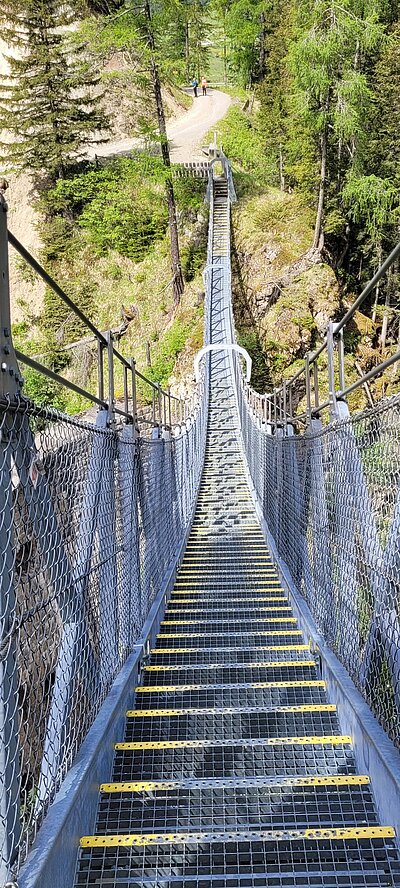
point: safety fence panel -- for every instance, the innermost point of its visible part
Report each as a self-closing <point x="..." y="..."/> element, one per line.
<point x="331" y="499"/>
<point x="91" y="521"/>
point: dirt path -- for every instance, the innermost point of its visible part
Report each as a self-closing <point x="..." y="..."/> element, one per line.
<point x="186" y="134"/>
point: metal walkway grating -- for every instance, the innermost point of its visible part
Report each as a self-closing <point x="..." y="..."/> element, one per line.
<point x="233" y="771"/>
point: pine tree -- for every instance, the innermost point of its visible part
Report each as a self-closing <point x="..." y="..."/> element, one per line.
<point x="327" y="60"/>
<point x="177" y="282"/>
<point x="273" y="92"/>
<point x="137" y="33"/>
<point x="49" y="102"/>
<point x="246" y="24"/>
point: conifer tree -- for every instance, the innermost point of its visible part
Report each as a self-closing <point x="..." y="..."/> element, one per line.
<point x="327" y="60"/>
<point x="137" y="31"/>
<point x="49" y="102"/>
<point x="177" y="283"/>
<point x="245" y="22"/>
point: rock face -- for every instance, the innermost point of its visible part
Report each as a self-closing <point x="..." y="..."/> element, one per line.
<point x="284" y="287"/>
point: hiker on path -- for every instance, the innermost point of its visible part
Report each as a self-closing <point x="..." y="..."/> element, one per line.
<point x="204" y="85"/>
<point x="195" y="84"/>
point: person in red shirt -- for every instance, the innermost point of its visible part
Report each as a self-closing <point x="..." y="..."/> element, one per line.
<point x="204" y="85"/>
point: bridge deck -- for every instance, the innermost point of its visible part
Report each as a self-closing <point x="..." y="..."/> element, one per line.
<point x="233" y="770"/>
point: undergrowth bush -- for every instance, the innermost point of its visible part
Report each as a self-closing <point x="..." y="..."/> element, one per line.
<point x="121" y="206"/>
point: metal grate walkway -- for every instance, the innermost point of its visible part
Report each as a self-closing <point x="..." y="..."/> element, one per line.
<point x="233" y="770"/>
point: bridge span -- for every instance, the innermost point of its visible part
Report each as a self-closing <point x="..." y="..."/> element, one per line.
<point x="200" y="641"/>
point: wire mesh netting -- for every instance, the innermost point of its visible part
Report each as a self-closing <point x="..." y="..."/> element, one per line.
<point x="331" y="499"/>
<point x="92" y="519"/>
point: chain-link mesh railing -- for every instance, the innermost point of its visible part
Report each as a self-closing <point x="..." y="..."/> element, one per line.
<point x="331" y="499"/>
<point x="91" y="521"/>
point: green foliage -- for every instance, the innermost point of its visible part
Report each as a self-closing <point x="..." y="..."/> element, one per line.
<point x="39" y="388"/>
<point x="121" y="206"/>
<point x="260" y="375"/>
<point x="193" y="259"/>
<point x="371" y="200"/>
<point x="189" y="193"/>
<point x="172" y="343"/>
<point x="243" y="143"/>
<point x="244" y="23"/>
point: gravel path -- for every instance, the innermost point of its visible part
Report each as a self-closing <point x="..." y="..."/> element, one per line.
<point x="186" y="134"/>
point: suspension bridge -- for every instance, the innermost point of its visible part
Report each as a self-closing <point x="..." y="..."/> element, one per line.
<point x="200" y="648"/>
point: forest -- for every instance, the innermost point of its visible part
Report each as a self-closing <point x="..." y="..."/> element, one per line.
<point x="312" y="133"/>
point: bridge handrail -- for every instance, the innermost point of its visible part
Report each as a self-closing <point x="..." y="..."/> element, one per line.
<point x="276" y="407"/>
<point x="93" y="520"/>
<point x="162" y="400"/>
<point x="330" y="499"/>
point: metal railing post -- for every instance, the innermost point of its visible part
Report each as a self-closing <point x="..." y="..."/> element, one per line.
<point x="134" y="392"/>
<point x="169" y="407"/>
<point x="100" y="370"/>
<point x="160" y="418"/>
<point x="308" y="389"/>
<point x="284" y="407"/>
<point x="331" y="370"/>
<point x="316" y="385"/>
<point x="10" y="824"/>
<point x="126" y="395"/>
<point x="111" y="391"/>
<point x="340" y="349"/>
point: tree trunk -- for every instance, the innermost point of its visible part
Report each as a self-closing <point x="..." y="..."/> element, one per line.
<point x="177" y="282"/>
<point x="187" y="52"/>
<point x="319" y="232"/>
<point x="148" y="354"/>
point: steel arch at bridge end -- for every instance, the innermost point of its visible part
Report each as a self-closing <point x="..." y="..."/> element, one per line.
<point x="217" y="346"/>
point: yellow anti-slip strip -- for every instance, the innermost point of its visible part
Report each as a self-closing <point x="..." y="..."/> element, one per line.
<point x="221" y="609"/>
<point x="227" y="620"/>
<point x="224" y="601"/>
<point x="227" y="612"/>
<point x="263" y="664"/>
<point x="264" y="571"/>
<point x="242" y="541"/>
<point x="256" y="633"/>
<point x="209" y="531"/>
<point x="213" y="530"/>
<point x="206" y="561"/>
<point x="323" y="740"/>
<point x="263" y="685"/>
<point x="167" y="713"/>
<point x="141" y="841"/>
<point x="247" y="782"/>
<point x="268" y="647"/>
<point x="272" y="587"/>
<point x="184" y="577"/>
